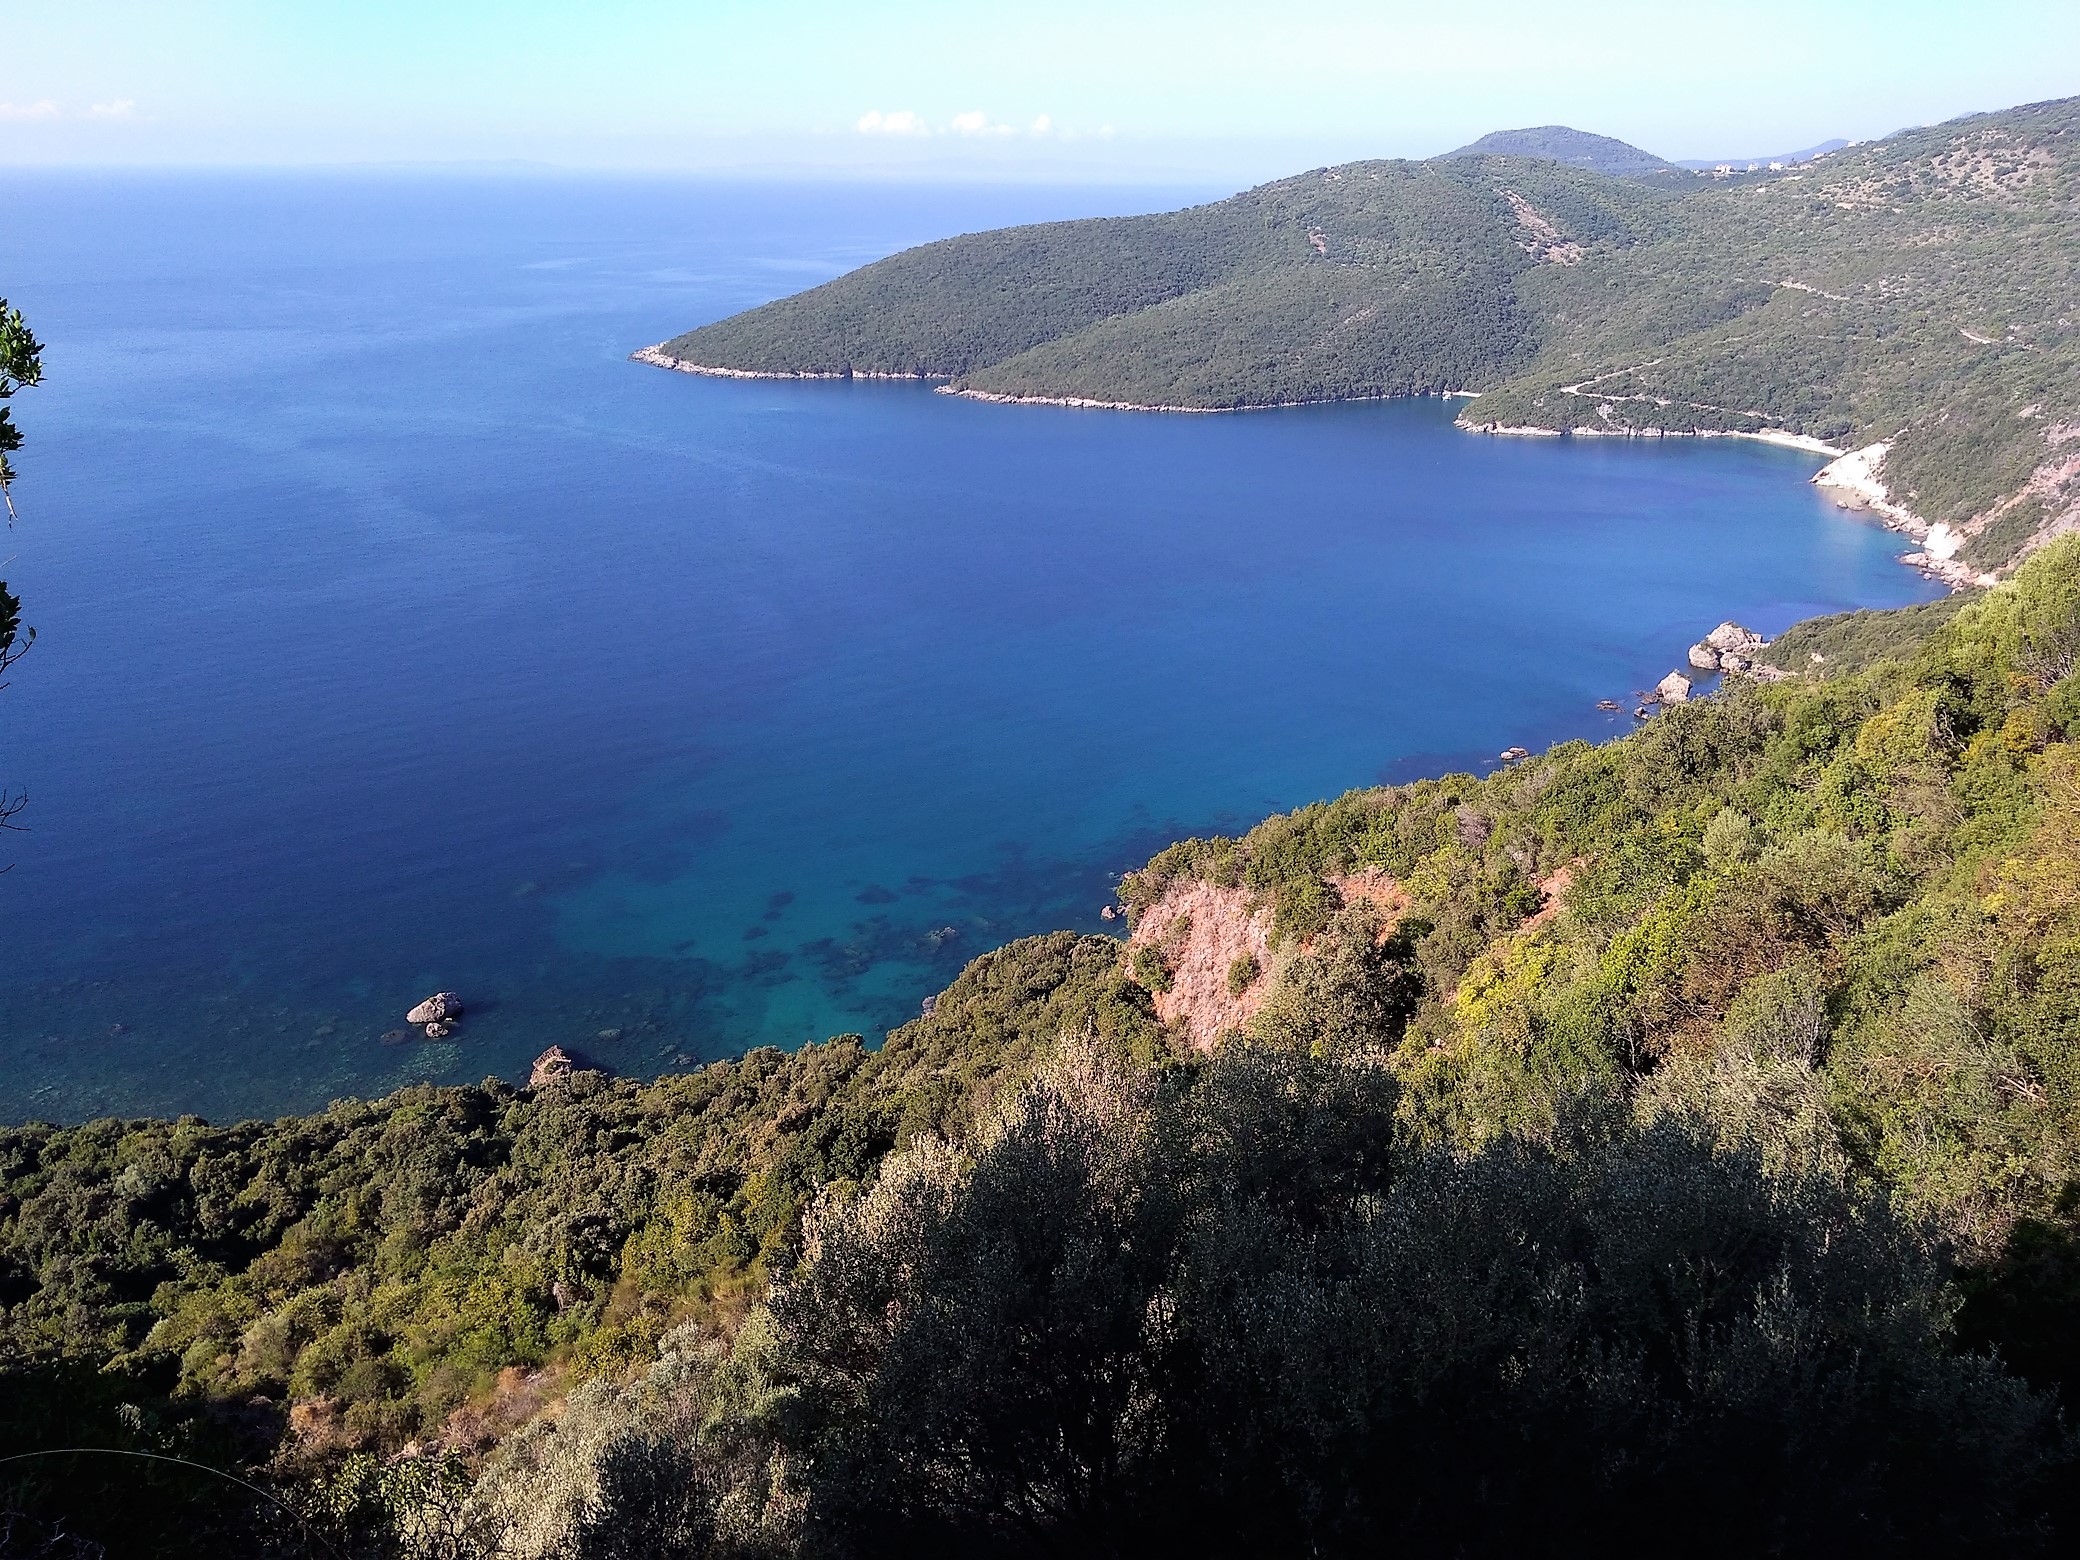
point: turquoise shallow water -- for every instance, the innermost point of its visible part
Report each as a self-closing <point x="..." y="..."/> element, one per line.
<point x="398" y="633"/>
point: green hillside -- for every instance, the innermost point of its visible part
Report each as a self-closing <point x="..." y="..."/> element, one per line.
<point x="1576" y="148"/>
<point x="1916" y="291"/>
<point x="1633" y="1129"/>
<point x="1377" y="279"/>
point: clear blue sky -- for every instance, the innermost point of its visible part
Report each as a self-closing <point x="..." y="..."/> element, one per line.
<point x="1067" y="88"/>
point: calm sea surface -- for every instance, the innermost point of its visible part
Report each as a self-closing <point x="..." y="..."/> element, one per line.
<point x="398" y="634"/>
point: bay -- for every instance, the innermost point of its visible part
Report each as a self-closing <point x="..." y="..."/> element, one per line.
<point x="397" y="633"/>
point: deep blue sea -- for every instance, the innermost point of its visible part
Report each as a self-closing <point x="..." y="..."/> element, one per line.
<point x="397" y="633"/>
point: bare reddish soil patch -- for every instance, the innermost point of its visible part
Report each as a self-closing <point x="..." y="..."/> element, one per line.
<point x="1551" y="888"/>
<point x="1202" y="930"/>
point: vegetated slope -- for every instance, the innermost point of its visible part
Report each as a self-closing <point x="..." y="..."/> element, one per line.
<point x="1577" y="148"/>
<point x="1376" y="279"/>
<point x="1916" y="292"/>
<point x="1853" y="641"/>
<point x="1698" y="1136"/>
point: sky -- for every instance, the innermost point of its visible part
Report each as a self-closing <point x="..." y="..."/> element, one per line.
<point x="1044" y="89"/>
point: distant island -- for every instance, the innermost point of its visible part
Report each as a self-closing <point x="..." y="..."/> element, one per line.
<point x="1905" y="302"/>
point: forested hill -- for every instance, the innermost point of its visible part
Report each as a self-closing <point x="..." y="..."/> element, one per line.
<point x="1915" y="291"/>
<point x="1578" y="149"/>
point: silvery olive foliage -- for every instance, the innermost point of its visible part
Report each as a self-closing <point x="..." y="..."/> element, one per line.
<point x="678" y="1463"/>
<point x="1234" y="1306"/>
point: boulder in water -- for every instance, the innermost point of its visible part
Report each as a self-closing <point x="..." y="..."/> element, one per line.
<point x="1673" y="689"/>
<point x="443" y="1007"/>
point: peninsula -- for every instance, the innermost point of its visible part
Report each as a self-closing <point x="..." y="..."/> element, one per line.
<point x="1905" y="303"/>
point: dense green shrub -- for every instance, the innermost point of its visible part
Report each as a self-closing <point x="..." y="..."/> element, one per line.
<point x="1240" y="1313"/>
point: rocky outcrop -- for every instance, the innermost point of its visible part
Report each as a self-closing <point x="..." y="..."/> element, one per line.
<point x="443" y="1007"/>
<point x="1727" y="648"/>
<point x="1673" y="689"/>
<point x="437" y="1015"/>
<point x="554" y="1065"/>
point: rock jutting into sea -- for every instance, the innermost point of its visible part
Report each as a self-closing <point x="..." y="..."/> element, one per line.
<point x="437" y="1015"/>
<point x="554" y="1065"/>
<point x="1727" y="648"/>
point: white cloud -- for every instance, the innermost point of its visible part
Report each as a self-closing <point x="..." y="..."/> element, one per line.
<point x="897" y="121"/>
<point x="119" y="108"/>
<point x="1042" y="125"/>
<point x="976" y="122"/>
<point x="15" y="113"/>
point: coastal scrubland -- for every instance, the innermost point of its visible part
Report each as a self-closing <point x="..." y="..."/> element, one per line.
<point x="1601" y="1142"/>
<point x="1914" y="292"/>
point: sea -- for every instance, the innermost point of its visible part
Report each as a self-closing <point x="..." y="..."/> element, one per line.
<point x="396" y="633"/>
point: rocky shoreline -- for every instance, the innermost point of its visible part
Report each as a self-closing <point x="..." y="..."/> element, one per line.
<point x="1091" y="404"/>
<point x="1730" y="650"/>
<point x="1851" y="478"/>
<point x="657" y="357"/>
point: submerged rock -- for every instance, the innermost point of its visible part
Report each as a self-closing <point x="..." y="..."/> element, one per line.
<point x="443" y="1007"/>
